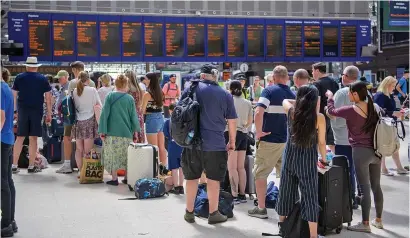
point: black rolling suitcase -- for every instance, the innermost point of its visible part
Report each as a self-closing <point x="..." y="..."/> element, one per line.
<point x="330" y="192"/>
<point x="342" y="161"/>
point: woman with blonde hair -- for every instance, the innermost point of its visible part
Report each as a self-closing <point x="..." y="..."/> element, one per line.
<point x="119" y="126"/>
<point x="86" y="129"/>
<point x="384" y="99"/>
<point x="106" y="87"/>
<point x="136" y="92"/>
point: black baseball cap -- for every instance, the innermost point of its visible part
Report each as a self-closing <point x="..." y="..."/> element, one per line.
<point x="207" y="69"/>
<point x="172" y="75"/>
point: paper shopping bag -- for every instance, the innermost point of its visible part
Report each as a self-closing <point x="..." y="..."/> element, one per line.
<point x="92" y="170"/>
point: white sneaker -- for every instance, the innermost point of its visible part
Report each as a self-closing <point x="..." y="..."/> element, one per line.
<point x="360" y="227"/>
<point x="378" y="225"/>
<point x="65" y="169"/>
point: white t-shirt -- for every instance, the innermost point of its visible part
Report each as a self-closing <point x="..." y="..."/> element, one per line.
<point x="143" y="87"/>
<point x="103" y="92"/>
<point x="86" y="102"/>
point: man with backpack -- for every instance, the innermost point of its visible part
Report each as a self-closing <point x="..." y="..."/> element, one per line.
<point x="171" y="93"/>
<point x="215" y="108"/>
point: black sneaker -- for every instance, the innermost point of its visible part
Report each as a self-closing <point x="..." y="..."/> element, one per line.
<point x="181" y="190"/>
<point x="15" y="227"/>
<point x="15" y="170"/>
<point x="7" y="231"/>
<point x="242" y="198"/>
<point x="35" y="169"/>
<point x="124" y="181"/>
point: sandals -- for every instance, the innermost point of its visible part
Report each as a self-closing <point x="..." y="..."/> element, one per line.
<point x="387" y="173"/>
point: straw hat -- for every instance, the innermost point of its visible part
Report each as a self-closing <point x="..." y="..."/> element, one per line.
<point x="32" y="62"/>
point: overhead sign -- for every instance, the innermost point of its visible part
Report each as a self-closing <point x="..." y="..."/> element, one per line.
<point x="112" y="38"/>
<point x="395" y="15"/>
<point x="244" y="68"/>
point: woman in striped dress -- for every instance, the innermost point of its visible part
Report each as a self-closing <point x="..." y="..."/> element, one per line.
<point x="306" y="134"/>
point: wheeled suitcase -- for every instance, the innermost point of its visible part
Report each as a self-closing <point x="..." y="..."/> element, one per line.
<point x="250" y="179"/>
<point x="142" y="162"/>
<point x="330" y="192"/>
<point x="52" y="149"/>
<point x="342" y="161"/>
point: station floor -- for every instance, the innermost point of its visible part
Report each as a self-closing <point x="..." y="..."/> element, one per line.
<point x="51" y="205"/>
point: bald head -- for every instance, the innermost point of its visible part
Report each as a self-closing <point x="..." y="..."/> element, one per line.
<point x="280" y="74"/>
<point x="301" y="77"/>
<point x="350" y="75"/>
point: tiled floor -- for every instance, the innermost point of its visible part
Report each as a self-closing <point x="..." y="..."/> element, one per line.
<point x="51" y="205"/>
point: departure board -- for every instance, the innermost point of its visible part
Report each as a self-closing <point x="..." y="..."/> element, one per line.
<point x="195" y="40"/>
<point x="236" y="40"/>
<point x="110" y="39"/>
<point x="131" y="39"/>
<point x="216" y="40"/>
<point x="312" y="40"/>
<point x="39" y="37"/>
<point x="293" y="40"/>
<point x="63" y="36"/>
<point x="330" y="41"/>
<point x="174" y="34"/>
<point x="255" y="40"/>
<point x="348" y="41"/>
<point x="274" y="40"/>
<point x="87" y="38"/>
<point x="153" y="39"/>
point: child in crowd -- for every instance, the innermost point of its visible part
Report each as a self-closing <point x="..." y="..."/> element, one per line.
<point x="174" y="157"/>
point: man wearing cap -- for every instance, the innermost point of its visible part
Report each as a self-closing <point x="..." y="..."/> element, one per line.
<point x="300" y="78"/>
<point x="29" y="89"/>
<point x="216" y="107"/>
<point x="171" y="93"/>
<point x="402" y="86"/>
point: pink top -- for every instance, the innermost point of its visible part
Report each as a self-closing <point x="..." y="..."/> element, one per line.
<point x="171" y="91"/>
<point x="354" y="122"/>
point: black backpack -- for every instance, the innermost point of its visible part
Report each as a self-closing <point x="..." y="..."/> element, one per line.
<point x="185" y="120"/>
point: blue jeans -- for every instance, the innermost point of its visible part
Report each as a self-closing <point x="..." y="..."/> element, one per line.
<point x="346" y="150"/>
<point x="154" y="123"/>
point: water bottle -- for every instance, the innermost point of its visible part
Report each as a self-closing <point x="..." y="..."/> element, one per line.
<point x="189" y="137"/>
<point x="329" y="157"/>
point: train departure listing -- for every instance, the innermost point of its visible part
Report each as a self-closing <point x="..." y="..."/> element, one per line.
<point x="293" y="41"/>
<point x="312" y="40"/>
<point x="274" y="40"/>
<point x="236" y="40"/>
<point x="110" y="39"/>
<point x="174" y="39"/>
<point x="330" y="41"/>
<point x="348" y="41"/>
<point x="216" y="40"/>
<point x="255" y="40"/>
<point x="63" y="35"/>
<point x="195" y="40"/>
<point x="87" y="38"/>
<point x="39" y="37"/>
<point x="153" y="39"/>
<point x="131" y="39"/>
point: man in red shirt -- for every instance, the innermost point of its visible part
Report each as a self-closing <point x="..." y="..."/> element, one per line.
<point x="171" y="93"/>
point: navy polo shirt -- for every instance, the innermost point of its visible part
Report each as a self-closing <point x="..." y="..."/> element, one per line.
<point x="31" y="87"/>
<point x="274" y="118"/>
<point x="216" y="106"/>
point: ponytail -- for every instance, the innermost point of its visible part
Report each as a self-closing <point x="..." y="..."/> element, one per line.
<point x="372" y="116"/>
<point x="80" y="88"/>
<point x="82" y="78"/>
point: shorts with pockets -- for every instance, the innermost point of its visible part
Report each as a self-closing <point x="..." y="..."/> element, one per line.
<point x="268" y="156"/>
<point x="196" y="161"/>
<point x="29" y="122"/>
<point x="241" y="141"/>
<point x="154" y="123"/>
<point x="67" y="130"/>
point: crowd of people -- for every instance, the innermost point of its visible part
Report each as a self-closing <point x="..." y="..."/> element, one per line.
<point x="294" y="127"/>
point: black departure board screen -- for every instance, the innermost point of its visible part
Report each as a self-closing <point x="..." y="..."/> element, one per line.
<point x="293" y="41"/>
<point x="174" y="34"/>
<point x="110" y="38"/>
<point x="195" y="40"/>
<point x="255" y="40"/>
<point x="348" y="41"/>
<point x="216" y="40"/>
<point x="330" y="41"/>
<point x="236" y="41"/>
<point x="39" y="37"/>
<point x="131" y="39"/>
<point x="312" y="40"/>
<point x="274" y="40"/>
<point x="63" y="36"/>
<point x="153" y="39"/>
<point x="87" y="38"/>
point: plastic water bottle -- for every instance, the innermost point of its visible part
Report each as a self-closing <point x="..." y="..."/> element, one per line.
<point x="329" y="156"/>
<point x="189" y="137"/>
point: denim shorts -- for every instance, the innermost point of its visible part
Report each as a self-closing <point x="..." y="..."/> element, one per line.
<point x="154" y="123"/>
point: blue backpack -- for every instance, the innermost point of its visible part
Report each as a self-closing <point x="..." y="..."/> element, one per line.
<point x="149" y="188"/>
<point x="272" y="194"/>
<point x="68" y="109"/>
<point x="201" y="206"/>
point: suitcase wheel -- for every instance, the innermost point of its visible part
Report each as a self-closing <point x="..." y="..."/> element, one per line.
<point x="255" y="202"/>
<point x="251" y="197"/>
<point x="130" y="188"/>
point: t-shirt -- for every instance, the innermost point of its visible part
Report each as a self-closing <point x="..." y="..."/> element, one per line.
<point x="170" y="90"/>
<point x="243" y="109"/>
<point x="338" y="124"/>
<point x="31" y="87"/>
<point x="7" y="105"/>
<point x="274" y="118"/>
<point x="216" y="106"/>
<point x="324" y="84"/>
<point x="103" y="92"/>
<point x="86" y="102"/>
<point x="74" y="82"/>
<point x="174" y="150"/>
<point x="403" y="86"/>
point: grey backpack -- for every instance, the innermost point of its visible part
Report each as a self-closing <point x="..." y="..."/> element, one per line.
<point x="386" y="136"/>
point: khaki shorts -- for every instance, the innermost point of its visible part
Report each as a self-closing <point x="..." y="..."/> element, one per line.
<point x="268" y="156"/>
<point x="67" y="130"/>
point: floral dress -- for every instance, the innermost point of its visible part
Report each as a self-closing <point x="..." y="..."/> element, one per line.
<point x="140" y="135"/>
